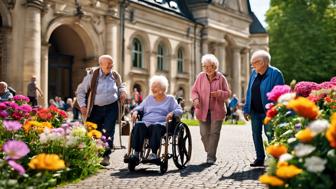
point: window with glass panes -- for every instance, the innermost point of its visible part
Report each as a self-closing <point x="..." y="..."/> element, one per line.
<point x="160" y="57"/>
<point x="180" y="61"/>
<point x="137" y="54"/>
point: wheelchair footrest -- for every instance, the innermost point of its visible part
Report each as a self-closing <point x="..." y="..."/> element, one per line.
<point x="152" y="161"/>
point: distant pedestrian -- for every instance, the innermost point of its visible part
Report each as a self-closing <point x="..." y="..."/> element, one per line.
<point x="32" y="91"/>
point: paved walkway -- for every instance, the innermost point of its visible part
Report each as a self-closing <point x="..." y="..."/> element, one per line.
<point x="232" y="170"/>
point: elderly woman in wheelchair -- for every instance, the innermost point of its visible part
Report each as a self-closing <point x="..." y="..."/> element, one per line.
<point x="157" y="110"/>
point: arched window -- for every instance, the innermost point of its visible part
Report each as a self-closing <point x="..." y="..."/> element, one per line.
<point x="180" y="61"/>
<point x="160" y="58"/>
<point x="137" y="54"/>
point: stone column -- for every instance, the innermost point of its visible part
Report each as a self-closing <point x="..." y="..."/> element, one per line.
<point x="44" y="73"/>
<point x="205" y="50"/>
<point x="32" y="45"/>
<point x="245" y="70"/>
<point x="221" y="55"/>
<point x="236" y="87"/>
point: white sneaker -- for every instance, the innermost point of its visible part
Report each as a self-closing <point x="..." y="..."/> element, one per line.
<point x="152" y="156"/>
<point x="210" y="161"/>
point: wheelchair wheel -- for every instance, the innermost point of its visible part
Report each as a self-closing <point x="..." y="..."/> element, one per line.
<point x="181" y="145"/>
<point x="131" y="166"/>
<point x="164" y="166"/>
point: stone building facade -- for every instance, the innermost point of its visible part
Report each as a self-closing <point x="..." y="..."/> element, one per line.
<point x="56" y="40"/>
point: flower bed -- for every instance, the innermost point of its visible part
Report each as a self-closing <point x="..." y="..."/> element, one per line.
<point x="303" y="150"/>
<point x="39" y="150"/>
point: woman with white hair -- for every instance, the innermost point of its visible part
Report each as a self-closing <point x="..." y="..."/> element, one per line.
<point x="209" y="93"/>
<point x="157" y="109"/>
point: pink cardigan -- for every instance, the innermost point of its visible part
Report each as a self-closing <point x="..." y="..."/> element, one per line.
<point x="201" y="91"/>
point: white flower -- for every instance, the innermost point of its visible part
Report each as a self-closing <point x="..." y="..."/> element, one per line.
<point x="331" y="153"/>
<point x="319" y="126"/>
<point x="78" y="131"/>
<point x="285" y="98"/>
<point x="315" y="164"/>
<point x="285" y="157"/>
<point x="291" y="140"/>
<point x="301" y="150"/>
<point x="288" y="132"/>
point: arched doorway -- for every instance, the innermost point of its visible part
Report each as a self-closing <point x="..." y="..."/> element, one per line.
<point x="65" y="52"/>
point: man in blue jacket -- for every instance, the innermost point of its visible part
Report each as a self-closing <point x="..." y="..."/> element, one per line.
<point x="262" y="80"/>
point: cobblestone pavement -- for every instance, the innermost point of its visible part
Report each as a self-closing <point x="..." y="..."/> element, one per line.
<point x="232" y="170"/>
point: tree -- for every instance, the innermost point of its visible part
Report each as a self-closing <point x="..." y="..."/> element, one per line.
<point x="303" y="38"/>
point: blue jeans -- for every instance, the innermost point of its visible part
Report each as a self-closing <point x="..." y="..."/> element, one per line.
<point x="105" y="117"/>
<point x="257" y="125"/>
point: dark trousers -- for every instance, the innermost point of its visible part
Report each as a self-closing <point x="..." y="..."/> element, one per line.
<point x="105" y="117"/>
<point x="32" y="100"/>
<point x="153" y="133"/>
<point x="257" y="127"/>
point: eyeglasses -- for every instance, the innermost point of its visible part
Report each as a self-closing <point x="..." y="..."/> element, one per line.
<point x="207" y="66"/>
<point x="255" y="62"/>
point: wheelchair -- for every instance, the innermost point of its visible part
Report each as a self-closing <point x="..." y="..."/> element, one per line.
<point x="177" y="135"/>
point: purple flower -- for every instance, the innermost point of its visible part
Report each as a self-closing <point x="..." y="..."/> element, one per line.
<point x="60" y="130"/>
<point x="26" y="108"/>
<point x="12" y="125"/>
<point x="3" y="114"/>
<point x="304" y="88"/>
<point x="277" y="91"/>
<point x="17" y="167"/>
<point x="15" y="149"/>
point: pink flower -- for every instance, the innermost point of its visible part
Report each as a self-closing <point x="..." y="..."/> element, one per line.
<point x="15" y="149"/>
<point x="333" y="79"/>
<point x="277" y="91"/>
<point x="17" y="167"/>
<point x="3" y="114"/>
<point x="21" y="98"/>
<point x="304" y="88"/>
<point x="3" y="106"/>
<point x="12" y="125"/>
<point x="25" y="108"/>
<point x="327" y="85"/>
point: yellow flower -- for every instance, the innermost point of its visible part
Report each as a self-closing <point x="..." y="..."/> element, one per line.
<point x="304" y="107"/>
<point x="95" y="134"/>
<point x="282" y="164"/>
<point x="305" y="135"/>
<point x="276" y="150"/>
<point x="287" y="172"/>
<point x="331" y="132"/>
<point x="50" y="162"/>
<point x="271" y="180"/>
<point x="90" y="126"/>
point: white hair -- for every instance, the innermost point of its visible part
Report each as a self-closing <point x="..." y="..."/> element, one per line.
<point x="162" y="80"/>
<point x="4" y="84"/>
<point x="261" y="54"/>
<point x="210" y="58"/>
<point x="105" y="56"/>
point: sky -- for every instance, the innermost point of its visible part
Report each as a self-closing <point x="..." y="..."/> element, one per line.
<point x="259" y="7"/>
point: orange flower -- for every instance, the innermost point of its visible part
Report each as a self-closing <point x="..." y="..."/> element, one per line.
<point x="287" y="172"/>
<point x="282" y="164"/>
<point x="304" y="107"/>
<point x="90" y="125"/>
<point x="305" y="135"/>
<point x="276" y="150"/>
<point x="50" y="162"/>
<point x="267" y="120"/>
<point x="271" y="180"/>
<point x="331" y="132"/>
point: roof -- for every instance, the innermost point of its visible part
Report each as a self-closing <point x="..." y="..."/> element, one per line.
<point x="178" y="7"/>
<point x="255" y="27"/>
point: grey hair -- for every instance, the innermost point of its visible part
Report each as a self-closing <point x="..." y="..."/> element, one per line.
<point x="105" y="56"/>
<point x="210" y="58"/>
<point x="162" y="80"/>
<point x="4" y="84"/>
<point x="261" y="54"/>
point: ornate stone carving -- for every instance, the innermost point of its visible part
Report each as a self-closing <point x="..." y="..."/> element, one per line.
<point x="10" y="3"/>
<point x="36" y="3"/>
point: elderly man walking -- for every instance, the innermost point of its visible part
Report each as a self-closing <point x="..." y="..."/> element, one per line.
<point x="100" y="96"/>
<point x="262" y="80"/>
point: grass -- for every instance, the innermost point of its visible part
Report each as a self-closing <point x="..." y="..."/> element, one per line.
<point x="194" y="122"/>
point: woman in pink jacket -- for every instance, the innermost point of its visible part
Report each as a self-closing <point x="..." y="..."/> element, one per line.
<point x="209" y="93"/>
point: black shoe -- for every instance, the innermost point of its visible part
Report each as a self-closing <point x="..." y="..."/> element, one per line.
<point x="106" y="161"/>
<point x="257" y="163"/>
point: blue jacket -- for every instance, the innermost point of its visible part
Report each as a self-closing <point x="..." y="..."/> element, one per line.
<point x="273" y="77"/>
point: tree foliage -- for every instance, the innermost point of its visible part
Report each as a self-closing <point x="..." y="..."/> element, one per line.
<point x="303" y="38"/>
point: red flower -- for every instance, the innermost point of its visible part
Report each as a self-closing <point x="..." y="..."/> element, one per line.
<point x="44" y="114"/>
<point x="272" y="112"/>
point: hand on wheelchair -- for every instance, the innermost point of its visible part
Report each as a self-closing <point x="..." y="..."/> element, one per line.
<point x="170" y="117"/>
<point x="134" y="116"/>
